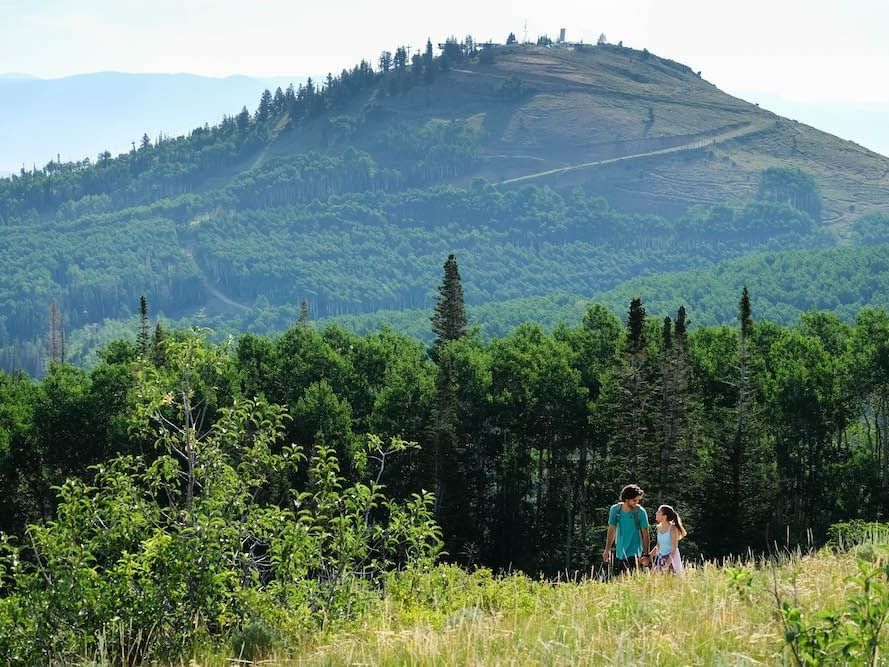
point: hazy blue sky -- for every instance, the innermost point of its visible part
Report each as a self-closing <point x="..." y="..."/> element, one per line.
<point x="832" y="52"/>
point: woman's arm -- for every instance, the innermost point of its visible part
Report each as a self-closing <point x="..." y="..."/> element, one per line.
<point x="674" y="538"/>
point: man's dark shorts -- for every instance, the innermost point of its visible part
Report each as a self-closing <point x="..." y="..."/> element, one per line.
<point x="622" y="565"/>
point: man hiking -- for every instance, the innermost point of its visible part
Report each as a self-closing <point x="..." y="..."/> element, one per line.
<point x="628" y="521"/>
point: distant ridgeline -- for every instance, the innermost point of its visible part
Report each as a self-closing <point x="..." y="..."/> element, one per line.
<point x="350" y="193"/>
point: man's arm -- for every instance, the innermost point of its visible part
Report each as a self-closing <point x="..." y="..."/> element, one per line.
<point x="609" y="541"/>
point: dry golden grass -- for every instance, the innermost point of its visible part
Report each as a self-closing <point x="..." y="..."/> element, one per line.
<point x="705" y="618"/>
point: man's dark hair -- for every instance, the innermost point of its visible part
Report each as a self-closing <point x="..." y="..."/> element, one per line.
<point x="630" y="491"/>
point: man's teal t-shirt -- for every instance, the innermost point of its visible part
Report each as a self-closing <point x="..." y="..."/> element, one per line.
<point x="628" y="541"/>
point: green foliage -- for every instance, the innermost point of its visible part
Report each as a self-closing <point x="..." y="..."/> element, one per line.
<point x="449" y="320"/>
<point x="741" y="580"/>
<point x="200" y="540"/>
<point x="849" y="534"/>
<point x="526" y="433"/>
<point x="277" y="233"/>
<point x="871" y="229"/>
<point x="850" y="635"/>
<point x="512" y="89"/>
<point x="793" y="187"/>
<point x="209" y="224"/>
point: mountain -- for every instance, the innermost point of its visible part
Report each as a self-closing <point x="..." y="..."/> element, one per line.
<point x="546" y="170"/>
<point x="80" y="116"/>
<point x="553" y="115"/>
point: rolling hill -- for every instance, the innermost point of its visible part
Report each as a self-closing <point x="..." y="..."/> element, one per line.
<point x="674" y="138"/>
<point x="547" y="170"/>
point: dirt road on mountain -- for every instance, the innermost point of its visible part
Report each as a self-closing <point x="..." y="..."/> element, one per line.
<point x="721" y="137"/>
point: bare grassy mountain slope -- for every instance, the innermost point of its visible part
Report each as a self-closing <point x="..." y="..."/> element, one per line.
<point x="648" y="133"/>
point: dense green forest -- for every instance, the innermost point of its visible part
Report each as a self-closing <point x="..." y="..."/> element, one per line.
<point x="356" y="254"/>
<point x="841" y="280"/>
<point x="540" y="426"/>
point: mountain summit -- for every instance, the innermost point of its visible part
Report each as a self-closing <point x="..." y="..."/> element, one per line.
<point x="647" y="133"/>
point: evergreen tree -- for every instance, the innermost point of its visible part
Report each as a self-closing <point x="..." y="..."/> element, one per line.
<point x="750" y="458"/>
<point x="264" y="110"/>
<point x="667" y="336"/>
<point x="158" y="345"/>
<point x="744" y="396"/>
<point x="448" y="324"/>
<point x="449" y="320"/>
<point x="452" y="53"/>
<point x="304" y="313"/>
<point x="385" y="62"/>
<point x="279" y="103"/>
<point x="674" y="456"/>
<point x="56" y="335"/>
<point x="636" y="327"/>
<point x="428" y="63"/>
<point x="634" y="404"/>
<point x="744" y="316"/>
<point x="142" y="336"/>
<point x="680" y="327"/>
<point x="242" y="121"/>
<point x="417" y="66"/>
<point x="400" y="60"/>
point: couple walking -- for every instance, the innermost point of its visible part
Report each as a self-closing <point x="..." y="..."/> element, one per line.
<point x="628" y="523"/>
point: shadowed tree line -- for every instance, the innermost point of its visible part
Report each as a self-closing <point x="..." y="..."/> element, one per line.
<point x="759" y="433"/>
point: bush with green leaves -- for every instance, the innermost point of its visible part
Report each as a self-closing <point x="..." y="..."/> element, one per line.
<point x="853" y="634"/>
<point x="202" y="541"/>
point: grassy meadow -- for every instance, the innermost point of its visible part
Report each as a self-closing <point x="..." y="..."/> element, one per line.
<point x="714" y="615"/>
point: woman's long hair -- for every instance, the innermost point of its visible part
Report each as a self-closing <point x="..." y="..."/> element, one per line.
<point x="673" y="517"/>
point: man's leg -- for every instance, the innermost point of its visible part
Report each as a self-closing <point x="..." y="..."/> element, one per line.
<point x="622" y="565"/>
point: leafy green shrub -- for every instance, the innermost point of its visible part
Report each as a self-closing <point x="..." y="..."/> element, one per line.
<point x="849" y="534"/>
<point x="198" y="542"/>
<point x="741" y="580"/>
<point x="848" y="636"/>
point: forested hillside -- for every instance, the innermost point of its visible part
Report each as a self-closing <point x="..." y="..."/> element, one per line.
<point x="109" y="110"/>
<point x="544" y="169"/>
<point x="840" y="280"/>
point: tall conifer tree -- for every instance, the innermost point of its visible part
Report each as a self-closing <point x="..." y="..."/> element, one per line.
<point x="158" y="345"/>
<point x="56" y="335"/>
<point x="304" y="313"/>
<point x="744" y="408"/>
<point x="448" y="324"/>
<point x="449" y="320"/>
<point x="142" y="339"/>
